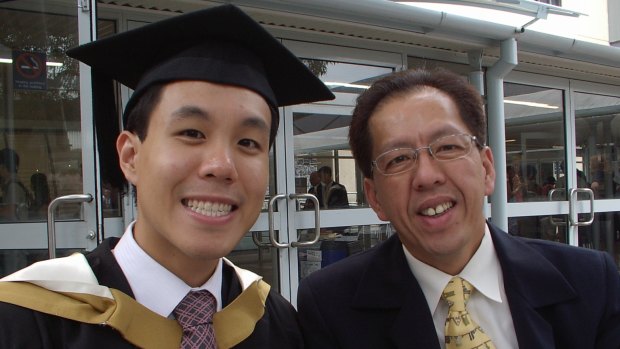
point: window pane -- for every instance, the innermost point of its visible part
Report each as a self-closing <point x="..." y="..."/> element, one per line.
<point x="535" y="142"/>
<point x="337" y="243"/>
<point x="39" y="112"/>
<point x="597" y="124"/>
<point x="321" y="139"/>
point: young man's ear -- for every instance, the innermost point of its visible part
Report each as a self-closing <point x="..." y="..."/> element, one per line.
<point x="373" y="200"/>
<point x="127" y="147"/>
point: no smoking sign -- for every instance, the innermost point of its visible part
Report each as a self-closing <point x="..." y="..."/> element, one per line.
<point x="29" y="70"/>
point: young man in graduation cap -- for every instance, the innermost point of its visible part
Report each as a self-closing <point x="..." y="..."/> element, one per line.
<point x="198" y="128"/>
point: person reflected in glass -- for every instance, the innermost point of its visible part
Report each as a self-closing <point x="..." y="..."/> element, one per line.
<point x="418" y="136"/>
<point x="41" y="195"/>
<point x="315" y="189"/>
<point x="16" y="198"/>
<point x="598" y="171"/>
<point x="533" y="190"/>
<point x="548" y="185"/>
<point x="334" y="193"/>
<point x="514" y="185"/>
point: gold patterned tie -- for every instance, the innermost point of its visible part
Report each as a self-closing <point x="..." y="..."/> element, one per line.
<point x="462" y="332"/>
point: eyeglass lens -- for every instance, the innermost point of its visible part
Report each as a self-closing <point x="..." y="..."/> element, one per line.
<point x="443" y="149"/>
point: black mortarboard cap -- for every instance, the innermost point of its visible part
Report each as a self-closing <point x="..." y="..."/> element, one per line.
<point x="220" y="45"/>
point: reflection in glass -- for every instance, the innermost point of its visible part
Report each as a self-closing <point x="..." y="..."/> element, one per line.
<point x="271" y="187"/>
<point x="603" y="234"/>
<point x="551" y="228"/>
<point x="597" y="125"/>
<point x="321" y="137"/>
<point x="337" y="243"/>
<point x="535" y="160"/>
<point x="597" y="121"/>
<point x="261" y="260"/>
<point x="39" y="112"/>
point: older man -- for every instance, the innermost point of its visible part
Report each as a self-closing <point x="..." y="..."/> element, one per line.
<point x="448" y="278"/>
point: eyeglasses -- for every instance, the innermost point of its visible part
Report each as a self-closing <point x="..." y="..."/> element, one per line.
<point x="445" y="148"/>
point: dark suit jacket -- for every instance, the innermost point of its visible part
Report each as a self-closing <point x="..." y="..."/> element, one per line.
<point x="560" y="297"/>
<point x="336" y="196"/>
<point x="317" y="191"/>
<point x="24" y="328"/>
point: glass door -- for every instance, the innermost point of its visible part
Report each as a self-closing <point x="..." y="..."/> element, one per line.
<point x="597" y="140"/>
<point x="328" y="218"/>
<point x="299" y="231"/>
<point x="536" y="160"/>
<point x="335" y="222"/>
<point x="561" y="158"/>
<point x="46" y="144"/>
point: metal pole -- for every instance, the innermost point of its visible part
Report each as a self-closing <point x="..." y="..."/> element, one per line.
<point x="496" y="128"/>
<point x="51" y="217"/>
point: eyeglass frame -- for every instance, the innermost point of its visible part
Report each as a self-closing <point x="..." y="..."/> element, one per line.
<point x="416" y="152"/>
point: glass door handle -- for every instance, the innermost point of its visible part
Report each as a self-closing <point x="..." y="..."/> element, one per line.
<point x="256" y="237"/>
<point x="272" y="231"/>
<point x="51" y="217"/>
<point x="553" y="191"/>
<point x="317" y="219"/>
<point x="572" y="200"/>
<point x="555" y="221"/>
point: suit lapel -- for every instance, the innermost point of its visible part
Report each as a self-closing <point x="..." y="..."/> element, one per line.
<point x="413" y="326"/>
<point x="531" y="283"/>
<point x="388" y="285"/>
<point x="532" y="330"/>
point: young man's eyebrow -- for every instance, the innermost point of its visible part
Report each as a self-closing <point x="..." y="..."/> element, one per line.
<point x="192" y="111"/>
<point x="256" y="122"/>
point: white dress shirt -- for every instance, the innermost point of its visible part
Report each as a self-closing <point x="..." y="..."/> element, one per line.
<point x="488" y="306"/>
<point x="154" y="286"/>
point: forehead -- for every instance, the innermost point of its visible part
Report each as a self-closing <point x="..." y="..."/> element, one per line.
<point x="417" y="116"/>
<point x="418" y="103"/>
<point x="209" y="101"/>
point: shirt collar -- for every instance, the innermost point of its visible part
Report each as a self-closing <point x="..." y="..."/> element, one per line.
<point x="153" y="285"/>
<point x="482" y="271"/>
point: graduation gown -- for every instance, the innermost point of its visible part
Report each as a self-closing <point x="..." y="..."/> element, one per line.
<point x="21" y="327"/>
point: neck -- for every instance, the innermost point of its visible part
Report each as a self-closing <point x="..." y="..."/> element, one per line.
<point x="193" y="270"/>
<point x="197" y="275"/>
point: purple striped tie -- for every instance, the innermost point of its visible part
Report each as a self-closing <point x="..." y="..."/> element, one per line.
<point x="195" y="314"/>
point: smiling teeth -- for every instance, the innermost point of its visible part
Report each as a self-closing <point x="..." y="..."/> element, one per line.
<point x="439" y="209"/>
<point x="210" y="209"/>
